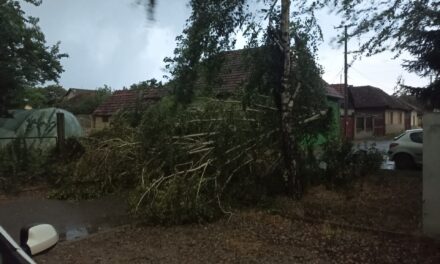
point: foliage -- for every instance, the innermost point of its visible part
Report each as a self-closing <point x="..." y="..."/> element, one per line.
<point x="182" y="165"/>
<point x="344" y="164"/>
<point x="148" y="84"/>
<point x="400" y="26"/>
<point x="210" y="29"/>
<point x="25" y="60"/>
<point x="40" y="97"/>
<point x="86" y="103"/>
<point x="20" y="164"/>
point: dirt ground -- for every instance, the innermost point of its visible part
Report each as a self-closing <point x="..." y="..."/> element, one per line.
<point x="376" y="222"/>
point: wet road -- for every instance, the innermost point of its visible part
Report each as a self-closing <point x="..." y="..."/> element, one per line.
<point x="71" y="219"/>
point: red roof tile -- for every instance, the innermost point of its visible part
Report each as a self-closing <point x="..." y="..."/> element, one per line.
<point x="235" y="73"/>
<point x="128" y="99"/>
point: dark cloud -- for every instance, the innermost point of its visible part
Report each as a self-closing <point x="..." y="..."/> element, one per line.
<point x="114" y="42"/>
<point x="110" y="41"/>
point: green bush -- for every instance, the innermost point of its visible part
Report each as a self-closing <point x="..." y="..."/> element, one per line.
<point x="344" y="164"/>
<point x="20" y="165"/>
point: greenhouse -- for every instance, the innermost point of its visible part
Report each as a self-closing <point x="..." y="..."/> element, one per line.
<point x="37" y="127"/>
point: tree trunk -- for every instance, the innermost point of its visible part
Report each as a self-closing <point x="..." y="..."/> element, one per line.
<point x="294" y="185"/>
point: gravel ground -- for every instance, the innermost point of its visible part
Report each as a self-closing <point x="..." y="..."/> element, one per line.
<point x="250" y="237"/>
<point x="385" y="210"/>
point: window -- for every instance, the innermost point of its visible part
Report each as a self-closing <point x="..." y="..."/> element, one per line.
<point x="369" y="123"/>
<point x="416" y="137"/>
<point x="400" y="117"/>
<point x="360" y="124"/>
<point x="105" y="119"/>
<point x="391" y="117"/>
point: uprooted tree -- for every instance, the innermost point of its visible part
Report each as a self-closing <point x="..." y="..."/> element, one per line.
<point x="195" y="156"/>
<point x="211" y="30"/>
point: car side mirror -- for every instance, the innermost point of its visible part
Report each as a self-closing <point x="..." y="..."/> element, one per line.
<point x="38" y="238"/>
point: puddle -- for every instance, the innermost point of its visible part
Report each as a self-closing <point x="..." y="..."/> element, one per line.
<point x="75" y="232"/>
<point x="79" y="231"/>
<point x="387" y="164"/>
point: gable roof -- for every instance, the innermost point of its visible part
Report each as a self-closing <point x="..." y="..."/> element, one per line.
<point x="128" y="99"/>
<point x="413" y="103"/>
<point x="367" y="96"/>
<point x="235" y="73"/>
<point x="79" y="91"/>
<point x="373" y="97"/>
<point x="332" y="92"/>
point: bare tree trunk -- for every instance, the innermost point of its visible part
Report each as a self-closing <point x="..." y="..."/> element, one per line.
<point x="294" y="185"/>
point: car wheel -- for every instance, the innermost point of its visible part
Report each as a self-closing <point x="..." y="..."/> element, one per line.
<point x="404" y="162"/>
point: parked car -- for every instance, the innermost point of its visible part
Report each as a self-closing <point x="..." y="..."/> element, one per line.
<point x="407" y="149"/>
<point x="33" y="240"/>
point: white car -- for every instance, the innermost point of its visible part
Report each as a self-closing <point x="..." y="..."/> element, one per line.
<point x="407" y="149"/>
<point x="33" y="240"/>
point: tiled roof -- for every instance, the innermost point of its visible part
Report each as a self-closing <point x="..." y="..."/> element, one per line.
<point x="373" y="97"/>
<point x="332" y="92"/>
<point x="235" y="73"/>
<point x="128" y="99"/>
<point x="232" y="75"/>
<point x="369" y="97"/>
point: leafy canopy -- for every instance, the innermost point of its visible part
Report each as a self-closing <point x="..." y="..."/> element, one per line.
<point x="25" y="59"/>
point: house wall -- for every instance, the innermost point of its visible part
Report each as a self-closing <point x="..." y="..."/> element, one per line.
<point x="368" y="123"/>
<point x="415" y="120"/>
<point x="100" y="122"/>
<point x="86" y="122"/>
<point x="394" y="121"/>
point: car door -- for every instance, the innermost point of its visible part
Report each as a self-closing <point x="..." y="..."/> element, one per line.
<point x="416" y="146"/>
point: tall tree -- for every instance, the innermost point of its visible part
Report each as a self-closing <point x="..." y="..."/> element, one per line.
<point x="25" y="60"/>
<point x="212" y="28"/>
<point x="399" y="26"/>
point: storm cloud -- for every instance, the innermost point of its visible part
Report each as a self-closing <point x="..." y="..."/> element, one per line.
<point x="113" y="42"/>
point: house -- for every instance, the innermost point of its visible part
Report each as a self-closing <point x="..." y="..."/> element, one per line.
<point x="372" y="112"/>
<point x="74" y="92"/>
<point x="82" y="103"/>
<point x="417" y="109"/>
<point x="124" y="100"/>
<point x="235" y="73"/>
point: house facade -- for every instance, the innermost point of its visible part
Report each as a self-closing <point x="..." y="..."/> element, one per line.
<point x="373" y="113"/>
<point x="124" y="100"/>
<point x="235" y="74"/>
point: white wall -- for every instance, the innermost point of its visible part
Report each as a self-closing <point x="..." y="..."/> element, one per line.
<point x="397" y="124"/>
<point x="431" y="174"/>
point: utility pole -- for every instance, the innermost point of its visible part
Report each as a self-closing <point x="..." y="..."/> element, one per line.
<point x="345" y="77"/>
<point x="345" y="81"/>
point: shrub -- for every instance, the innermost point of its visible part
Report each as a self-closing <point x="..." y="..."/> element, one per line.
<point x="20" y="164"/>
<point x="344" y="163"/>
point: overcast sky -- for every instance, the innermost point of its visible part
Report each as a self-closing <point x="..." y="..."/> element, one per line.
<point x="112" y="42"/>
